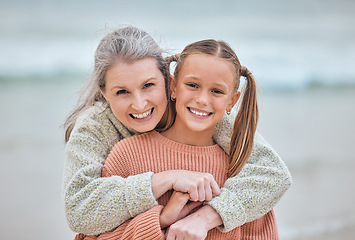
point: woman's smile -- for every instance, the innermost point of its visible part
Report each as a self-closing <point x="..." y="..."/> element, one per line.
<point x="143" y="116"/>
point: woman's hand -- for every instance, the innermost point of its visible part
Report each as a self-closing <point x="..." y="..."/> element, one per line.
<point x="194" y="226"/>
<point x="176" y="209"/>
<point x="199" y="186"/>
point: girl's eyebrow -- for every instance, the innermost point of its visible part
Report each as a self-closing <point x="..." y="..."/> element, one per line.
<point x="217" y="84"/>
<point x="192" y="77"/>
<point x="221" y="85"/>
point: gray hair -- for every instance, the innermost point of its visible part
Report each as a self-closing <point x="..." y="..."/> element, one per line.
<point x="126" y="44"/>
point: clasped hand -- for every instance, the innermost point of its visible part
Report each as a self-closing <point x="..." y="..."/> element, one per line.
<point x="199" y="186"/>
<point x="183" y="225"/>
<point x="176" y="218"/>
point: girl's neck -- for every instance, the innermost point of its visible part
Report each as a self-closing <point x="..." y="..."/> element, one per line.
<point x="193" y="138"/>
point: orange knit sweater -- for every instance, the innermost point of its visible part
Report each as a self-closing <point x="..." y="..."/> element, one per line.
<point x="154" y="152"/>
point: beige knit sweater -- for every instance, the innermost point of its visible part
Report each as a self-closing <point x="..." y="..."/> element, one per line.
<point x="154" y="152"/>
<point x="94" y="205"/>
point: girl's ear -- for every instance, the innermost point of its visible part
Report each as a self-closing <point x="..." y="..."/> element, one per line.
<point x="172" y="87"/>
<point x="233" y="101"/>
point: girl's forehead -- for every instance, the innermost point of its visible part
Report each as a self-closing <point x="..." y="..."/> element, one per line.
<point x="208" y="68"/>
<point x="209" y="63"/>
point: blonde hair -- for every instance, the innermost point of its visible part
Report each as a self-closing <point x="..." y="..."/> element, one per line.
<point x="126" y="44"/>
<point x="247" y="118"/>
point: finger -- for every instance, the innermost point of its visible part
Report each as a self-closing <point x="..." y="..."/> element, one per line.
<point x="171" y="235"/>
<point x="167" y="233"/>
<point x="208" y="191"/>
<point x="193" y="194"/>
<point x="215" y="188"/>
<point x="201" y="190"/>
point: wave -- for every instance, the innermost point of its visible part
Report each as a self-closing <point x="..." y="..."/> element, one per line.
<point x="64" y="76"/>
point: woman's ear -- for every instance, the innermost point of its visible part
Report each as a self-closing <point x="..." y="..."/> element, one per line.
<point x="103" y="93"/>
<point x="172" y="87"/>
<point x="233" y="101"/>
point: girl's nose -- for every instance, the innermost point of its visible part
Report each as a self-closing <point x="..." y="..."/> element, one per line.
<point x="202" y="98"/>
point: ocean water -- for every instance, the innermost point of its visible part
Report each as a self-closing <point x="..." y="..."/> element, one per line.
<point x="302" y="54"/>
<point x="287" y="44"/>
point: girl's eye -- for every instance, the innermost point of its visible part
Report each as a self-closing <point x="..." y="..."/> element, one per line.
<point x="217" y="91"/>
<point x="148" y="85"/>
<point x="192" y="85"/>
<point x="122" y="92"/>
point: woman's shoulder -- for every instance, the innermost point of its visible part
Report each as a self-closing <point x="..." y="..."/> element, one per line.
<point x="100" y="121"/>
<point x="93" y="114"/>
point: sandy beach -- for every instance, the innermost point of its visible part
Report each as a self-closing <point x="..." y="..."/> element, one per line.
<point x="313" y="132"/>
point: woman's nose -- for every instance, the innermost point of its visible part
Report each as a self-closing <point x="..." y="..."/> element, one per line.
<point x="139" y="102"/>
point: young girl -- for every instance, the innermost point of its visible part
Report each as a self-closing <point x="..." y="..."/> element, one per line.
<point x="94" y="204"/>
<point x="207" y="78"/>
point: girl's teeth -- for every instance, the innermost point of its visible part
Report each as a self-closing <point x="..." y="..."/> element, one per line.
<point x="142" y="115"/>
<point x="198" y="113"/>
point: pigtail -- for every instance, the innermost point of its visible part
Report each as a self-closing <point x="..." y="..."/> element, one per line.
<point x="244" y="126"/>
<point x="168" y="118"/>
<point x="172" y="58"/>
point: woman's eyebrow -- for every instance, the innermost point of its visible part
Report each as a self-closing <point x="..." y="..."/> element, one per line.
<point x="124" y="87"/>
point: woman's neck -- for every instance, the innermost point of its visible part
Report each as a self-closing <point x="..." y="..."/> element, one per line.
<point x="181" y="135"/>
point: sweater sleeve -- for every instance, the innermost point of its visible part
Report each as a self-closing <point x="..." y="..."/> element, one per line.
<point x="94" y="204"/>
<point x="256" y="189"/>
<point x="145" y="226"/>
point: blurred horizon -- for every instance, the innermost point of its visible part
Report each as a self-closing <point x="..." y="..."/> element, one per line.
<point x="286" y="44"/>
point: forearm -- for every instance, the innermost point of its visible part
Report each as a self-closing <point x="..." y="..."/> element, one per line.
<point x="209" y="216"/>
<point x="94" y="204"/>
<point x="87" y="206"/>
<point x="161" y="183"/>
<point x="144" y="226"/>
<point x="255" y="190"/>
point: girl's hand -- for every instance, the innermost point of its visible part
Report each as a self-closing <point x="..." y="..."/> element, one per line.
<point x="194" y="226"/>
<point x="199" y="186"/>
<point x="176" y="209"/>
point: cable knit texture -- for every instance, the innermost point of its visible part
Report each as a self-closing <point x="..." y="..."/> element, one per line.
<point x="94" y="205"/>
<point x="152" y="151"/>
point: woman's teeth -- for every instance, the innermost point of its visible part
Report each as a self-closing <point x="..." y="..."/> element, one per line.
<point x="142" y="115"/>
<point x="198" y="113"/>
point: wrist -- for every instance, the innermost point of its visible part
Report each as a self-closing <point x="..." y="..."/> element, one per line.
<point x="209" y="216"/>
<point x="161" y="183"/>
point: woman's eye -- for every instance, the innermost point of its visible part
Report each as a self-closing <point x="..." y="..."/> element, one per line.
<point x="121" y="92"/>
<point x="148" y="85"/>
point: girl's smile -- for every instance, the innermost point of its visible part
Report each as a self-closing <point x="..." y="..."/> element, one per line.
<point x="199" y="113"/>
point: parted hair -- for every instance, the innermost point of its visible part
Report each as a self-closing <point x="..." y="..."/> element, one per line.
<point x="127" y="44"/>
<point x="247" y="118"/>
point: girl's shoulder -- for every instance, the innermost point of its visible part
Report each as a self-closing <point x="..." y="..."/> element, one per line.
<point x="139" y="139"/>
